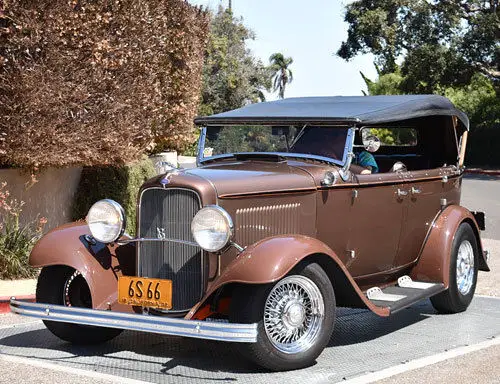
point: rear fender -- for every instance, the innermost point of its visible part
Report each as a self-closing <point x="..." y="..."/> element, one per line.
<point x="270" y="259"/>
<point x="99" y="264"/>
<point x="434" y="261"/>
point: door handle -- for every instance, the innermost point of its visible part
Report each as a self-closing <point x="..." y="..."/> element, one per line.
<point x="401" y="193"/>
<point x="415" y="191"/>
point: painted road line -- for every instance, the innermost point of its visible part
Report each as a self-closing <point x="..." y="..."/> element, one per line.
<point x="488" y="297"/>
<point x="420" y="363"/>
<point x="70" y="370"/>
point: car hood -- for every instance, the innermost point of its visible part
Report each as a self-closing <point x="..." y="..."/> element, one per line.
<point x="254" y="177"/>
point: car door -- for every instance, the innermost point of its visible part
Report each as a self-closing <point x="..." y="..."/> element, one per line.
<point x="425" y="190"/>
<point x="375" y="223"/>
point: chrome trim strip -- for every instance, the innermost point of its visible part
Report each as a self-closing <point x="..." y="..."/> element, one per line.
<point x="241" y="333"/>
<point x="138" y="239"/>
<point x="203" y="252"/>
<point x="201" y="146"/>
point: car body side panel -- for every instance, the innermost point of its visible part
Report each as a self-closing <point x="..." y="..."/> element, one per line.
<point x="425" y="190"/>
<point x="271" y="259"/>
<point x="99" y="264"/>
<point x="434" y="261"/>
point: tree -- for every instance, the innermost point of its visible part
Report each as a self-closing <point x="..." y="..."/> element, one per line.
<point x="232" y="76"/>
<point x="386" y="84"/>
<point x="447" y="40"/>
<point x="281" y="72"/>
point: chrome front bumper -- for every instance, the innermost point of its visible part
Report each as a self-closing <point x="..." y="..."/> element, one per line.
<point x="242" y="333"/>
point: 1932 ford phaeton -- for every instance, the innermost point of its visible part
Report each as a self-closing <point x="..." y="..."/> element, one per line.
<point x="280" y="223"/>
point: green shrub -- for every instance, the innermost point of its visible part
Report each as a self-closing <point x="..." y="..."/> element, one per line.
<point x="16" y="241"/>
<point x="117" y="183"/>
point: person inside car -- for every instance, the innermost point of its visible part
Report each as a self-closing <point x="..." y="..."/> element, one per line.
<point x="365" y="159"/>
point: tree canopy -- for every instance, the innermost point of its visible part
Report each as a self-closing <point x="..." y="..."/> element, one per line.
<point x="232" y="76"/>
<point x="443" y="41"/>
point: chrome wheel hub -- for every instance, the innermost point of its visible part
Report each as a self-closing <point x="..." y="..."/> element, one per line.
<point x="293" y="314"/>
<point x="465" y="267"/>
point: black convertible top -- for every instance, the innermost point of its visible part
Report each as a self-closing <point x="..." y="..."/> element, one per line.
<point x="339" y="109"/>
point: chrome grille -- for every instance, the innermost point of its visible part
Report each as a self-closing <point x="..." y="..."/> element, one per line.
<point x="167" y="213"/>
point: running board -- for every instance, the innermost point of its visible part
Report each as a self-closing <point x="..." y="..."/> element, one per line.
<point x="403" y="295"/>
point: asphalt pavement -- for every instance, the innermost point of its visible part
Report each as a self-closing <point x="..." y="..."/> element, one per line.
<point x="482" y="193"/>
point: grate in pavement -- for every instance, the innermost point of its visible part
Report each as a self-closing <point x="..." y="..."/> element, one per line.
<point x="362" y="343"/>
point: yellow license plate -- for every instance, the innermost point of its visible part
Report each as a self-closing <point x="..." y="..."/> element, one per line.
<point x="145" y="292"/>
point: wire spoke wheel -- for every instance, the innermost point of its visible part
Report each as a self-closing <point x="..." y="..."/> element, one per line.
<point x="465" y="267"/>
<point x="462" y="272"/>
<point x="293" y="314"/>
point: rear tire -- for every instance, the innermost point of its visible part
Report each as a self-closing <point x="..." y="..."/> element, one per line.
<point x="463" y="273"/>
<point x="63" y="285"/>
<point x="295" y="318"/>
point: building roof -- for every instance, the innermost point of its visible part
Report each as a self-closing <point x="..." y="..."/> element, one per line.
<point x="340" y="110"/>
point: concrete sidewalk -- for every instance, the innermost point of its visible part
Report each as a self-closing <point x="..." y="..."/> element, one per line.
<point x="23" y="289"/>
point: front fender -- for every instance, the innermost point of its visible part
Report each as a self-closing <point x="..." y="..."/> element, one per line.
<point x="434" y="262"/>
<point x="271" y="259"/>
<point x="99" y="264"/>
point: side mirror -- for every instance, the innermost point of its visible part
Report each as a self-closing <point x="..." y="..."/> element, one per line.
<point x="371" y="143"/>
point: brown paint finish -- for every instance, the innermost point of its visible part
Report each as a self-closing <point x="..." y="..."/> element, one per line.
<point x="434" y="261"/>
<point x="376" y="213"/>
<point x="271" y="259"/>
<point x="283" y="214"/>
<point x="422" y="204"/>
<point x="182" y="179"/>
<point x="100" y="265"/>
<point x="254" y="178"/>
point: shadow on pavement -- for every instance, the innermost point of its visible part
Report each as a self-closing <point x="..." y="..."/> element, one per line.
<point x="353" y="326"/>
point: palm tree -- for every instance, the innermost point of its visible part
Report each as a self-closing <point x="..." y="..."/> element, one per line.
<point x="281" y="72"/>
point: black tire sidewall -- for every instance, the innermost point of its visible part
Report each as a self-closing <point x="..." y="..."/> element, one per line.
<point x="49" y="290"/>
<point x="460" y="301"/>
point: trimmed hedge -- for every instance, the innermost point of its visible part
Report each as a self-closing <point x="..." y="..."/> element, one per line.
<point x="117" y="183"/>
<point x="85" y="82"/>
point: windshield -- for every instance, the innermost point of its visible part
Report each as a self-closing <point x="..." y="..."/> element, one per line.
<point x="327" y="143"/>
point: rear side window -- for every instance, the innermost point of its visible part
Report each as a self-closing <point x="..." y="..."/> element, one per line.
<point x="392" y="136"/>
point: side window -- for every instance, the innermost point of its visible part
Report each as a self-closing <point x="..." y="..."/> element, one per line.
<point x="393" y="136"/>
<point x="391" y="149"/>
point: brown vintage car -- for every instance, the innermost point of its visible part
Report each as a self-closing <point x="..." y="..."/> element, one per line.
<point x="297" y="207"/>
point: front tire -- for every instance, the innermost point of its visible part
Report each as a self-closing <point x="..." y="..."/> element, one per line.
<point x="295" y="318"/>
<point x="463" y="273"/>
<point x="63" y="285"/>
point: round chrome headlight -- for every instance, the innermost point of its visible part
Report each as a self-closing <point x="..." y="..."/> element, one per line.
<point x="212" y="228"/>
<point x="106" y="220"/>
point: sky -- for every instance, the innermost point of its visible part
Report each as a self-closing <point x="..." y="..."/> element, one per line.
<point x="310" y="31"/>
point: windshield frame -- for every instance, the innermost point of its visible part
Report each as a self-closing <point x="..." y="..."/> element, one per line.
<point x="200" y="159"/>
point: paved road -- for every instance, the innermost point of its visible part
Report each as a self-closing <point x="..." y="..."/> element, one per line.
<point x="482" y="193"/>
<point x="416" y="334"/>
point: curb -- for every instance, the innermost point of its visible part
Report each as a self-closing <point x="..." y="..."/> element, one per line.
<point x="478" y="171"/>
<point x="5" y="300"/>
